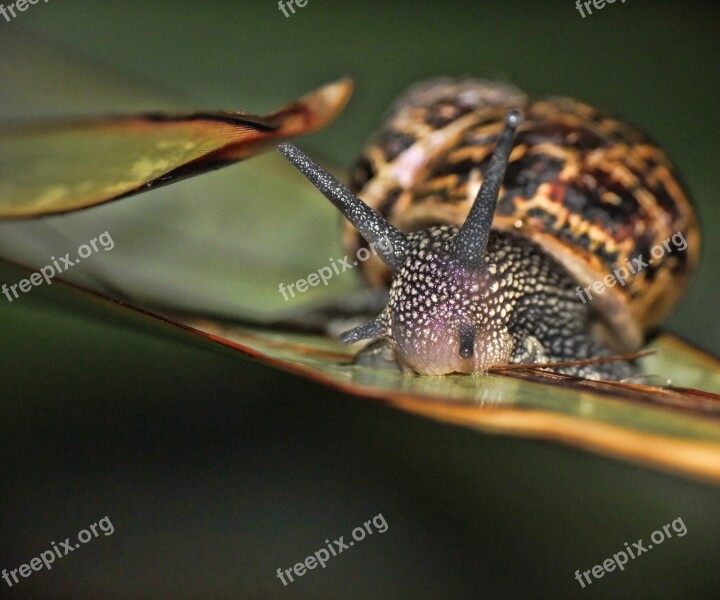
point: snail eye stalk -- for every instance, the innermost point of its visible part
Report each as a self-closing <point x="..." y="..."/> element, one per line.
<point x="391" y="244"/>
<point x="471" y="242"/>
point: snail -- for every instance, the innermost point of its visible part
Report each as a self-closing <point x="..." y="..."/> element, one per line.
<point x="512" y="231"/>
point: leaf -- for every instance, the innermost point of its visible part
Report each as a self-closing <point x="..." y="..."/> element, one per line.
<point x="48" y="168"/>
<point x="677" y="430"/>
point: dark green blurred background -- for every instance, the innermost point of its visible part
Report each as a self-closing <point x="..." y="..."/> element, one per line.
<point x="214" y="470"/>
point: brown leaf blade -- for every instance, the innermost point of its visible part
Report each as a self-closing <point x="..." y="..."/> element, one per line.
<point x="662" y="427"/>
<point x="49" y="168"/>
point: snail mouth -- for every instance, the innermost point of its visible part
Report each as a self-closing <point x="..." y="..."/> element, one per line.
<point x="442" y="350"/>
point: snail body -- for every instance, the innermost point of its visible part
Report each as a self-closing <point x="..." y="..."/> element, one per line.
<point x="513" y="231"/>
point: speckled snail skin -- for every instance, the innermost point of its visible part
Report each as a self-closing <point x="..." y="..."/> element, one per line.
<point x="490" y="213"/>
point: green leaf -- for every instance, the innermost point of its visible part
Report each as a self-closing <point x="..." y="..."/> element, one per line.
<point x="670" y="428"/>
<point x="62" y="166"/>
